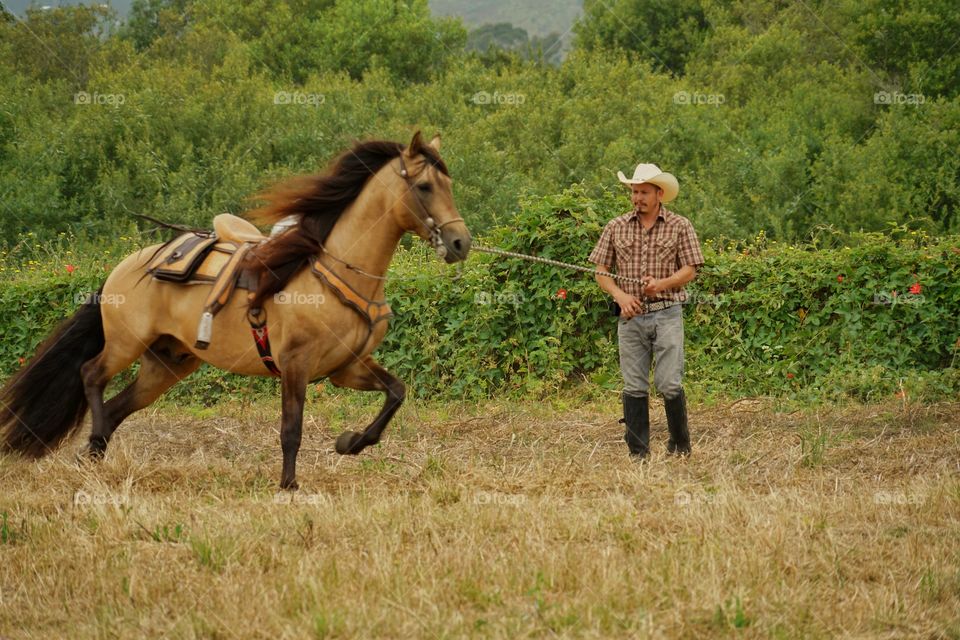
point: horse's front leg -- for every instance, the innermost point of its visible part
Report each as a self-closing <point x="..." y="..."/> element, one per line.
<point x="368" y="375"/>
<point x="293" y="387"/>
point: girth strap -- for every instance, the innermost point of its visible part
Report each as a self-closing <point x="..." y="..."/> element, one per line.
<point x="261" y="337"/>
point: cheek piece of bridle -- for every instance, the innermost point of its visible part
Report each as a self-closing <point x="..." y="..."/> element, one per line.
<point x="424" y="217"/>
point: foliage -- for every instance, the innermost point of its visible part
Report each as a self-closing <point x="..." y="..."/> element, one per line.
<point x="816" y="321"/>
<point x="819" y="137"/>
<point x="662" y="32"/>
<point x="503" y="36"/>
<point x="56" y="44"/>
<point x="778" y="118"/>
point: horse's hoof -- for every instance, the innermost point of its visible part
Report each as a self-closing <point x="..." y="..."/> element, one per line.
<point x="348" y="443"/>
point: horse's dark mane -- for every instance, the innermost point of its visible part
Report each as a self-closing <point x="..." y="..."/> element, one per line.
<point x="318" y="201"/>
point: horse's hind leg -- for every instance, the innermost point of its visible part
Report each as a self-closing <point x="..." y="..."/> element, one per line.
<point x="161" y="366"/>
<point x="368" y="375"/>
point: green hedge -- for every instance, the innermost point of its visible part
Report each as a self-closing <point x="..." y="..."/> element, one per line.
<point x="808" y="322"/>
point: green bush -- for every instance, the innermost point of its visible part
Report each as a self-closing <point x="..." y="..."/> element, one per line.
<point x="812" y="322"/>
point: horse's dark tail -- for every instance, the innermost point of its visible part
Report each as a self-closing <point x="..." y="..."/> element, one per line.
<point x="44" y="402"/>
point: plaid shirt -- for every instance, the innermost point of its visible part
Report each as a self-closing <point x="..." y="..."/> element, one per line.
<point x="659" y="251"/>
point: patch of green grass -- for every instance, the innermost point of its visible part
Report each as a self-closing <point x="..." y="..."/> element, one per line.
<point x="813" y="446"/>
<point x="209" y="554"/>
<point x="165" y="533"/>
<point x="8" y="534"/>
<point x="731" y="615"/>
<point x="326" y="624"/>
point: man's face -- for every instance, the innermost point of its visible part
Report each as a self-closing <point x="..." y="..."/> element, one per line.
<point x="645" y="197"/>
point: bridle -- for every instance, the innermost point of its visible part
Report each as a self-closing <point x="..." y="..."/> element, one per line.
<point x="424" y="216"/>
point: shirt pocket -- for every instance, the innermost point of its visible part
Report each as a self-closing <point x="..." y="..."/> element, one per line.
<point x="667" y="249"/>
<point x="625" y="246"/>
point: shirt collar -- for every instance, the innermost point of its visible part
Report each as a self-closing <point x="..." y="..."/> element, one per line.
<point x="661" y="215"/>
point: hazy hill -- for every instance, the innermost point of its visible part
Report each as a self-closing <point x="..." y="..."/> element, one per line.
<point x="538" y="17"/>
<point x="19" y="7"/>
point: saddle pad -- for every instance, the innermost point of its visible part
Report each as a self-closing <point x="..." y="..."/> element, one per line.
<point x="177" y="259"/>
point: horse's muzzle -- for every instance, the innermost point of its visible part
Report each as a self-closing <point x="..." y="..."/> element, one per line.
<point x="457" y="243"/>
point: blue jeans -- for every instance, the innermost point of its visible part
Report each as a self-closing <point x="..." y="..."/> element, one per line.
<point x="656" y="336"/>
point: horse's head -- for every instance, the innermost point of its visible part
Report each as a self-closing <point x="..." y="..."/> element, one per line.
<point x="426" y="207"/>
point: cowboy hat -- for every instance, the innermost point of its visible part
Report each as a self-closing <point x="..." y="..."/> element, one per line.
<point x="651" y="173"/>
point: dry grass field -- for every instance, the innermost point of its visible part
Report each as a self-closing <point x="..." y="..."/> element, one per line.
<point x="502" y="520"/>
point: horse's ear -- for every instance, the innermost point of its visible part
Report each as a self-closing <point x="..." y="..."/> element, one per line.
<point x="415" y="146"/>
<point x="435" y="143"/>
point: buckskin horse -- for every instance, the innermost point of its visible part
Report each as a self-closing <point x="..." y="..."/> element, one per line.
<point x="315" y="306"/>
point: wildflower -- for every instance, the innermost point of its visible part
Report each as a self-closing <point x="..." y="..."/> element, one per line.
<point x="22" y="360"/>
<point x="789" y="376"/>
<point x="70" y="268"/>
<point x="562" y="294"/>
<point x="840" y="278"/>
<point x="915" y="288"/>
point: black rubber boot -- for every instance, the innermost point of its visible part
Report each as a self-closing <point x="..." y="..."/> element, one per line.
<point x="676" y="408"/>
<point x="636" y="417"/>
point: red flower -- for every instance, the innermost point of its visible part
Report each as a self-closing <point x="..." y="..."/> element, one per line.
<point x="70" y="268"/>
<point x="789" y="376"/>
<point x="562" y="294"/>
<point x="915" y="288"/>
<point x="22" y="360"/>
<point x="840" y="278"/>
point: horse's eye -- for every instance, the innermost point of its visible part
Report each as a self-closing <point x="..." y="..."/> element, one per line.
<point x="425" y="187"/>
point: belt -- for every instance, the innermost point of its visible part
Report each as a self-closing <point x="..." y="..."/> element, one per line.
<point x="659" y="305"/>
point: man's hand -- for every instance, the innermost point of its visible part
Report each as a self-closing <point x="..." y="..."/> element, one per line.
<point x="629" y="305"/>
<point x="653" y="286"/>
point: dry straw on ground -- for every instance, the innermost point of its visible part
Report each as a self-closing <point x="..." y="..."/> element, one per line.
<point x="492" y="521"/>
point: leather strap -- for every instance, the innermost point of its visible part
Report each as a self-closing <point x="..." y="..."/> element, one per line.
<point x="227" y="281"/>
<point x="261" y="337"/>
<point x="371" y="310"/>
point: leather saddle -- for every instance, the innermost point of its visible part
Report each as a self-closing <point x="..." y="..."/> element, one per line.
<point x="214" y="258"/>
<point x="217" y="257"/>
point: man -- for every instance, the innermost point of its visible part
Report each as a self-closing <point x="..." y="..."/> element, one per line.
<point x="660" y="248"/>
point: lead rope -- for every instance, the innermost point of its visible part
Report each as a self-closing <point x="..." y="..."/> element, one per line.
<point x="556" y="263"/>
<point x="497" y="252"/>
